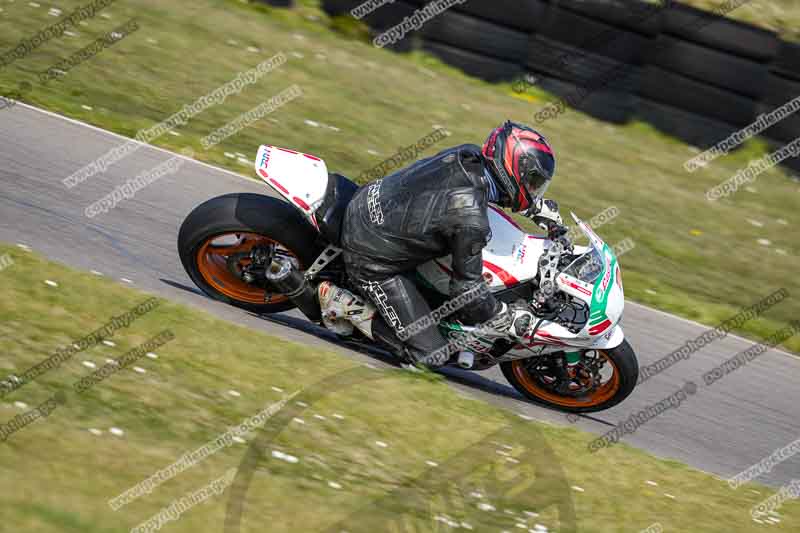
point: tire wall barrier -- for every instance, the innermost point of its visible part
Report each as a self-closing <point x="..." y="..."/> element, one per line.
<point x="714" y="72"/>
<point x="787" y="62"/>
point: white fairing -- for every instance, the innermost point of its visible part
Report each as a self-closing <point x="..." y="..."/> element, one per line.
<point x="612" y="339"/>
<point x="300" y="178"/>
<point x="510" y="256"/>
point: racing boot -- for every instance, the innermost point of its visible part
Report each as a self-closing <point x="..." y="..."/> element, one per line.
<point x="341" y="310"/>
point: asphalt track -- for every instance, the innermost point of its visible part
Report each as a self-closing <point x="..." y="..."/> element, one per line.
<point x="722" y="429"/>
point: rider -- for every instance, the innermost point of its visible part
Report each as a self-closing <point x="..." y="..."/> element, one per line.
<point x="434" y="208"/>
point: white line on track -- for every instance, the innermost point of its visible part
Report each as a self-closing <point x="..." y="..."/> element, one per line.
<point x="117" y="135"/>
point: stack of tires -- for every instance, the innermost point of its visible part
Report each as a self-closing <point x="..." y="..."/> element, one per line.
<point x="488" y="40"/>
<point x="592" y="52"/>
<point x="708" y="66"/>
<point x="379" y="20"/>
<point x="690" y="73"/>
<point x="783" y="87"/>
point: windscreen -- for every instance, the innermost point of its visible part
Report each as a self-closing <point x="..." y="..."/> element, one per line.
<point x="587" y="267"/>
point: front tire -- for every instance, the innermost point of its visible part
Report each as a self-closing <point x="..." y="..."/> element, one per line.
<point x="622" y="360"/>
<point x="218" y="234"/>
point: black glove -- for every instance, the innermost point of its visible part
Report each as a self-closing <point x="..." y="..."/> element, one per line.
<point x="554" y="231"/>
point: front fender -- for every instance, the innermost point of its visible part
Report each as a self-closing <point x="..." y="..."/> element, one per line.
<point x="609" y="340"/>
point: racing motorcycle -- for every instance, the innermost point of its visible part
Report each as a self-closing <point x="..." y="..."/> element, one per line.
<point x="268" y="254"/>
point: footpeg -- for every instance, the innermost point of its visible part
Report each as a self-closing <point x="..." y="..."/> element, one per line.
<point x="466" y="360"/>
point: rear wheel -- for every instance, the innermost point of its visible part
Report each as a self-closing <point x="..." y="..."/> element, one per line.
<point x="602" y="379"/>
<point x="225" y="242"/>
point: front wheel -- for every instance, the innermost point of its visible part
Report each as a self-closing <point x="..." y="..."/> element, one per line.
<point x="219" y="239"/>
<point x="602" y="379"/>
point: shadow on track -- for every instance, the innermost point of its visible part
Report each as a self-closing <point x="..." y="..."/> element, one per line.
<point x="466" y="378"/>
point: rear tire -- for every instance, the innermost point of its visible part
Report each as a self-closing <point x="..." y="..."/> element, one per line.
<point x="622" y="358"/>
<point x="244" y="213"/>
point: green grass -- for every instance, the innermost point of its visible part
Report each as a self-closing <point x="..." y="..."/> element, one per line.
<point x="700" y="260"/>
<point x="780" y="16"/>
<point x="57" y="476"/>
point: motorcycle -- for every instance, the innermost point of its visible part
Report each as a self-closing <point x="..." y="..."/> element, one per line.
<point x="268" y="254"/>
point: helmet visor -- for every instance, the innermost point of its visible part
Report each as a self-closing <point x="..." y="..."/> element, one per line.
<point x="538" y="178"/>
<point x="536" y="193"/>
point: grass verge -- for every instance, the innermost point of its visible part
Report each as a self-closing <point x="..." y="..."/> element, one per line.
<point x="355" y="448"/>
<point x="701" y="260"/>
<point x="780" y="16"/>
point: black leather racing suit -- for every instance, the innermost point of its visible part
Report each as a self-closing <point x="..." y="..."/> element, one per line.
<point x="433" y="208"/>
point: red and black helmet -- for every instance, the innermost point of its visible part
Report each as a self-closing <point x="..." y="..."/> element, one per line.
<point x="522" y="162"/>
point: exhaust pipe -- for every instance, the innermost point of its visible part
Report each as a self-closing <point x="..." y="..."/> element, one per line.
<point x="293" y="284"/>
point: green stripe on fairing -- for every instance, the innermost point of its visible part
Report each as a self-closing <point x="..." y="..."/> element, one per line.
<point x="597" y="316"/>
<point x="598" y="307"/>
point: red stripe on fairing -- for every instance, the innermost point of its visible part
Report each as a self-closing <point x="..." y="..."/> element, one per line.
<point x="278" y="185"/>
<point x="577" y="287"/>
<point x="301" y="203"/>
<point x="599" y="328"/>
<point x="287" y="150"/>
<point x="505" y="216"/>
<point x="549" y="338"/>
<point x="507" y="279"/>
<point x="263" y="173"/>
<point x="312" y="157"/>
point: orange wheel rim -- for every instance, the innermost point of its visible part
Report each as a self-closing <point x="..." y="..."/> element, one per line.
<point x="220" y="260"/>
<point x="600" y="395"/>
